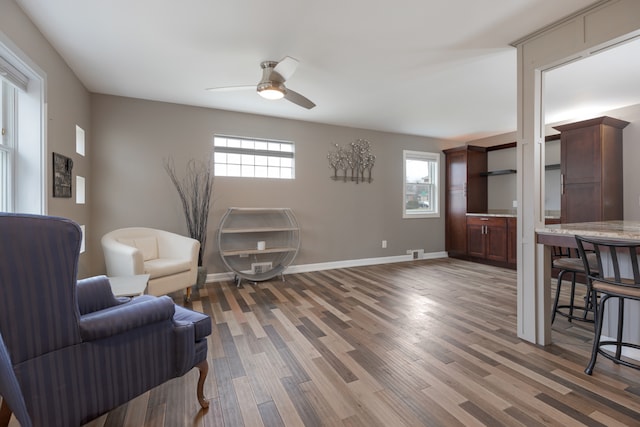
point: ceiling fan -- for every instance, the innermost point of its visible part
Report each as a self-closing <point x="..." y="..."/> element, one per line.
<point x="271" y="86"/>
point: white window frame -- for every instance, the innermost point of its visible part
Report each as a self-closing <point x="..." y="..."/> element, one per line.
<point x="433" y="211"/>
<point x="29" y="167"/>
<point x="7" y="145"/>
<point x="242" y="157"/>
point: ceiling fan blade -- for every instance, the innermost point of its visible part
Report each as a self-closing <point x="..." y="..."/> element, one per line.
<point x="286" y="67"/>
<point x="231" y="88"/>
<point x="298" y="99"/>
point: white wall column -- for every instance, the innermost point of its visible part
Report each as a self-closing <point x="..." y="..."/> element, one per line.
<point x="598" y="27"/>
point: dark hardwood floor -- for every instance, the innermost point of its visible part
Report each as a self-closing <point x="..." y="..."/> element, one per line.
<point x="422" y="343"/>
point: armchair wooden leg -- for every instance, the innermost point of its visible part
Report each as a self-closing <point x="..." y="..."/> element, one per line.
<point x="187" y="297"/>
<point x="5" y="414"/>
<point x="204" y="370"/>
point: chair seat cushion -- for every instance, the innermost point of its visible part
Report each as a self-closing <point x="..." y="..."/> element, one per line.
<point x="161" y="267"/>
<point x="576" y="264"/>
<point x="201" y="322"/>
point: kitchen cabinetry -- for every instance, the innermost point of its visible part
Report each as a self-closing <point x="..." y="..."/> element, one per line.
<point x="512" y="241"/>
<point x="591" y="170"/>
<point x="466" y="191"/>
<point x="487" y="238"/>
<point x="258" y="243"/>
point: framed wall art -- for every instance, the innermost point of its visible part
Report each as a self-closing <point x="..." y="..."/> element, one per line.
<point x="62" y="167"/>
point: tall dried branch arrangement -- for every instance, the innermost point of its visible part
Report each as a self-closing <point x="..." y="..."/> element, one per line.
<point x="195" y="190"/>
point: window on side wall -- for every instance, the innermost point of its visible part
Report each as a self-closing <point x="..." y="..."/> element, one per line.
<point x="22" y="147"/>
<point x="7" y="103"/>
<point x="420" y="192"/>
<point x="253" y="158"/>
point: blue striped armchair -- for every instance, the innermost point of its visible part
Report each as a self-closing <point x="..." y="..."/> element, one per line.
<point x="77" y="351"/>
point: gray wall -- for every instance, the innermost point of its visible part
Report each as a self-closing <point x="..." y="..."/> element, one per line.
<point x="68" y="104"/>
<point x="339" y="221"/>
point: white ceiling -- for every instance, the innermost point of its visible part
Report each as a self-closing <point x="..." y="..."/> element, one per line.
<point x="439" y="68"/>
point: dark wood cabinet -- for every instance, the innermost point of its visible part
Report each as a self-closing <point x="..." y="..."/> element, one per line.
<point x="591" y="170"/>
<point x="476" y="245"/>
<point x="512" y="240"/>
<point x="487" y="238"/>
<point x="466" y="191"/>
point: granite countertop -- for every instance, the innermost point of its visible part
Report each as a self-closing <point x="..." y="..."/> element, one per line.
<point x="496" y="212"/>
<point x="629" y="230"/>
<point x="512" y="213"/>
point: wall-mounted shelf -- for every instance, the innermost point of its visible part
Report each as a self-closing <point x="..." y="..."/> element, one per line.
<point x="499" y="172"/>
<point x="240" y="231"/>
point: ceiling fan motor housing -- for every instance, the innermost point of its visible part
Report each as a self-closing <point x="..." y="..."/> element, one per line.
<point x="271" y="80"/>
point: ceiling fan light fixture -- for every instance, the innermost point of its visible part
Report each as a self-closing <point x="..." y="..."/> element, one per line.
<point x="271" y="90"/>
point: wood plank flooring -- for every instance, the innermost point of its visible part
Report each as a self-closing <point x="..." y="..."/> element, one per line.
<point x="421" y="343"/>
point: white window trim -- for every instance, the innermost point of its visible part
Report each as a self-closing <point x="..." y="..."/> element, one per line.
<point x="31" y="166"/>
<point x="426" y="155"/>
<point x="255" y="152"/>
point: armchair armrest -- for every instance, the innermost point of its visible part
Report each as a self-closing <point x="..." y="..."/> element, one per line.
<point x="94" y="294"/>
<point x="126" y="317"/>
<point x="121" y="259"/>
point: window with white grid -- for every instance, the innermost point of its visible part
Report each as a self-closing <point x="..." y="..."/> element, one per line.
<point x="253" y="158"/>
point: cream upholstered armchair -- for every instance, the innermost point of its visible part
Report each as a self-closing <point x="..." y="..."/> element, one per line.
<point x="170" y="260"/>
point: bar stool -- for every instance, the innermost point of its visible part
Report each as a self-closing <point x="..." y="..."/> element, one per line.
<point x="619" y="278"/>
<point x="563" y="260"/>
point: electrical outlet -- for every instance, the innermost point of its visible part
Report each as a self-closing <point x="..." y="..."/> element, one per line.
<point x="384" y="244"/>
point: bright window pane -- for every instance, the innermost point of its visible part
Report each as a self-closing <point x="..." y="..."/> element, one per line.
<point x="274" y="161"/>
<point x="247" y="170"/>
<point x="4" y="181"/>
<point x="233" y="170"/>
<point x="220" y="157"/>
<point x="274" y="172"/>
<point x="420" y="189"/>
<point x="261" y="160"/>
<point x="253" y="158"/>
<point x="261" y="172"/>
<point x="233" y="159"/>
<point x="220" y="169"/>
<point x="286" y="173"/>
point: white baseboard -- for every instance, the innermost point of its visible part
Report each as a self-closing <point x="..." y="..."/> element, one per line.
<point x="305" y="268"/>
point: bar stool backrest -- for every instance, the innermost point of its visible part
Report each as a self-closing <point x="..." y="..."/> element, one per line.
<point x="617" y="254"/>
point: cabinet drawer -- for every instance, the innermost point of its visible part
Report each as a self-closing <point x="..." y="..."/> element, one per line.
<point x="487" y="220"/>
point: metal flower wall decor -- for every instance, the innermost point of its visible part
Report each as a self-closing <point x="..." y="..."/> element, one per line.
<point x="353" y="162"/>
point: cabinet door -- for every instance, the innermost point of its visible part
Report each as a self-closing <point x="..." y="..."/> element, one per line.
<point x="581" y="203"/>
<point x="475" y="240"/>
<point x="456" y="203"/>
<point x="580" y="155"/>
<point x="581" y="175"/>
<point x="456" y="222"/>
<point x="496" y="241"/>
<point x="512" y="240"/>
<point x="456" y="164"/>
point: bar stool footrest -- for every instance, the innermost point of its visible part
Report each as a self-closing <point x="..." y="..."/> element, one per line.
<point x="608" y="353"/>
